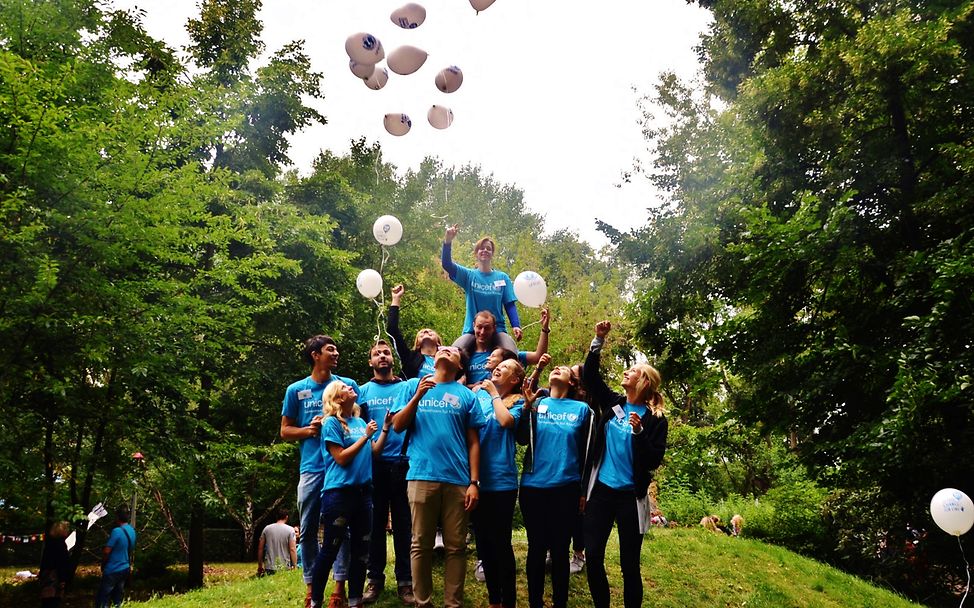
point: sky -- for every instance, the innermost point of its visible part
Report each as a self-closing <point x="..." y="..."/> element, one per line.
<point x="548" y="101"/>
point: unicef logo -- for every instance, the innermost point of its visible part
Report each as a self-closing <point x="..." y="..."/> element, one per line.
<point x="572" y="417"/>
<point x="369" y="42"/>
<point x="957" y="495"/>
<point x="404" y="119"/>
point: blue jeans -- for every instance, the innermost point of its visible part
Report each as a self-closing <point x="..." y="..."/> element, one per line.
<point x="309" y="506"/>
<point x="112" y="586"/>
<point x="389" y="493"/>
<point x="347" y="515"/>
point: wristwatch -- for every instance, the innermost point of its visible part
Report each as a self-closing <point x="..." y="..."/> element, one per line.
<point x="475" y="482"/>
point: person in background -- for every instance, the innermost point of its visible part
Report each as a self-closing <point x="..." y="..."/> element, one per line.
<point x="346" y="494"/>
<point x="116" y="561"/>
<point x="485" y="289"/>
<point x="737" y="525"/>
<point x="277" y="547"/>
<point x="301" y="422"/>
<point x="629" y="445"/>
<point x="418" y="361"/>
<point x="55" y="565"/>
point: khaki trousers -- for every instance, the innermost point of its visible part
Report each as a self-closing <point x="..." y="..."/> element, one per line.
<point x="430" y="503"/>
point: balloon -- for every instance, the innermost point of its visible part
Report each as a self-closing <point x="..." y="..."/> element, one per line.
<point x="530" y="289"/>
<point x="409" y="16"/>
<point x="440" y="117"/>
<point x="364" y="48"/>
<point x="369" y="283"/>
<point x="387" y="230"/>
<point x="449" y="79"/>
<point x="406" y="59"/>
<point x="378" y="79"/>
<point x="953" y="511"/>
<point x="397" y="124"/>
<point x="480" y="5"/>
<point x="362" y="70"/>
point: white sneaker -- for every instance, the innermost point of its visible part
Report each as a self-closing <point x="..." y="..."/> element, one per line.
<point x="478" y="571"/>
<point x="578" y="562"/>
<point x="438" y="543"/>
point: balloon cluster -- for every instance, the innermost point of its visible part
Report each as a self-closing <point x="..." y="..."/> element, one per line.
<point x="365" y="51"/>
<point x="387" y="230"/>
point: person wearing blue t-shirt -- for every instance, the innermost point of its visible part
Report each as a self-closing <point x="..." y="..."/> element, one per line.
<point x="501" y="404"/>
<point x="483" y="359"/>
<point x="418" y="361"/>
<point x="301" y="422"/>
<point x="629" y="445"/>
<point x="485" y="289"/>
<point x="116" y="561"/>
<point x="556" y="430"/>
<point x="346" y="494"/>
<point x="381" y="395"/>
<point x="443" y="482"/>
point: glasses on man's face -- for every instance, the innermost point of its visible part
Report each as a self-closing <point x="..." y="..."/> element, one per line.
<point x="450" y="349"/>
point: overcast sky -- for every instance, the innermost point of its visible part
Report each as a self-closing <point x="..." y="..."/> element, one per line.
<point x="547" y="102"/>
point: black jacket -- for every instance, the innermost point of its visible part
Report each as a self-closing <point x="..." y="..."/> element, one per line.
<point x="411" y="360"/>
<point x="648" y="446"/>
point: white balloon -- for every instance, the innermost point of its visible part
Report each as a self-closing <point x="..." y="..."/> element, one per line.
<point x="449" y="79"/>
<point x="406" y="59"/>
<point x="953" y="511"/>
<point x="362" y="70"/>
<point x="378" y="79"/>
<point x="364" y="48"/>
<point x="480" y="5"/>
<point x="397" y="124"/>
<point x="369" y="283"/>
<point x="387" y="230"/>
<point x="409" y="16"/>
<point x="530" y="289"/>
<point x="440" y="117"/>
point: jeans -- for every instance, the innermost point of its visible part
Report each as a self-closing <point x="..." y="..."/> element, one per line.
<point x="605" y="507"/>
<point x="347" y="515"/>
<point x="389" y="493"/>
<point x="309" y="506"/>
<point x="432" y="502"/>
<point x="492" y="525"/>
<point x="549" y="514"/>
<point x="112" y="587"/>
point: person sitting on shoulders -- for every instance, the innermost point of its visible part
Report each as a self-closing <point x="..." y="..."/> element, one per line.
<point x="484" y="357"/>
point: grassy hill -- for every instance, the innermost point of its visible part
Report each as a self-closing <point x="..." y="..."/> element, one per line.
<point x="681" y="568"/>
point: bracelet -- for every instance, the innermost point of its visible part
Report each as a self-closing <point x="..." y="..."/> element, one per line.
<point x="495" y="397"/>
<point x="545" y="331"/>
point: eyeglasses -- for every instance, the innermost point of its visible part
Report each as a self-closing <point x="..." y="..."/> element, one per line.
<point x="451" y="349"/>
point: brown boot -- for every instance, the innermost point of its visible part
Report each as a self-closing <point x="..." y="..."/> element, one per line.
<point x="406" y="595"/>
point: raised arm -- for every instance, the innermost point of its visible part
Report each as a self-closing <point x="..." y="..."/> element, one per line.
<point x="446" y="255"/>
<point x="501" y="413"/>
<point x="404" y="418"/>
<point x="542" y="348"/>
<point x="602" y="395"/>
<point x="411" y="360"/>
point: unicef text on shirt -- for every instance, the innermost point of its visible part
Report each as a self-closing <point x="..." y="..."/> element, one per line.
<point x="439" y="403"/>
<point x="562" y="417"/>
<point x="485" y="288"/>
<point x="312" y="404"/>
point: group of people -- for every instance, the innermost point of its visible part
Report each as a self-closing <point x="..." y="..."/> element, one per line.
<point x="435" y="448"/>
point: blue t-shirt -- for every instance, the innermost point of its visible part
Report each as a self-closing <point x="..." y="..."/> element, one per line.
<point x="558" y="443"/>
<point x="118" y="540"/>
<point x="355" y="473"/>
<point x="477" y="369"/>
<point x="490" y="291"/>
<point x="616" y="468"/>
<point x="302" y="402"/>
<point x="498" y="470"/>
<point x="438" y="446"/>
<point x="382" y="398"/>
<point x="427" y="367"/>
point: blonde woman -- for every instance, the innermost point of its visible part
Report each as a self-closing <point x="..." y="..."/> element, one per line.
<point x="629" y="445"/>
<point x="346" y="495"/>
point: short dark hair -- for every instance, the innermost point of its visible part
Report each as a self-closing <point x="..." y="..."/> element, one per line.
<point x="281" y="513"/>
<point x="507" y="354"/>
<point x="122" y="514"/>
<point x="379" y="342"/>
<point x="314" y="344"/>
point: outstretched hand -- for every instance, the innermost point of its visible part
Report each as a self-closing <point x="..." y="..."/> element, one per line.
<point x="543" y="361"/>
<point x="602" y="328"/>
<point x="530" y="395"/>
<point x="545" y="319"/>
<point x="397" y="292"/>
<point x="451" y="233"/>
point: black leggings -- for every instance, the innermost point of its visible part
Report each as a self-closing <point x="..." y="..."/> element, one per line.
<point x="549" y="514"/>
<point x="492" y="525"/>
<point x="605" y="507"/>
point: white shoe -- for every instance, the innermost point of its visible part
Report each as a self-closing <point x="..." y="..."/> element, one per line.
<point x="478" y="571"/>
<point x="438" y="543"/>
<point x="578" y="562"/>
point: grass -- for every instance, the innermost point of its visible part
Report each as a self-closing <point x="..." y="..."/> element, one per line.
<point x="680" y="567"/>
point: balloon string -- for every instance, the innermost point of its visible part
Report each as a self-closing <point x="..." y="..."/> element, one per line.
<point x="530" y="324"/>
<point x="967" y="570"/>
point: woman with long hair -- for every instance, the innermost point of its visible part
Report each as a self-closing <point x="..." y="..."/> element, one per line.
<point x="485" y="289"/>
<point x="500" y="400"/>
<point x="629" y="445"/>
<point x="418" y="360"/>
<point x="556" y="430"/>
<point x="346" y="495"/>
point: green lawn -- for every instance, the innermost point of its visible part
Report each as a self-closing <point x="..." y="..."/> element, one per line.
<point x="681" y="568"/>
